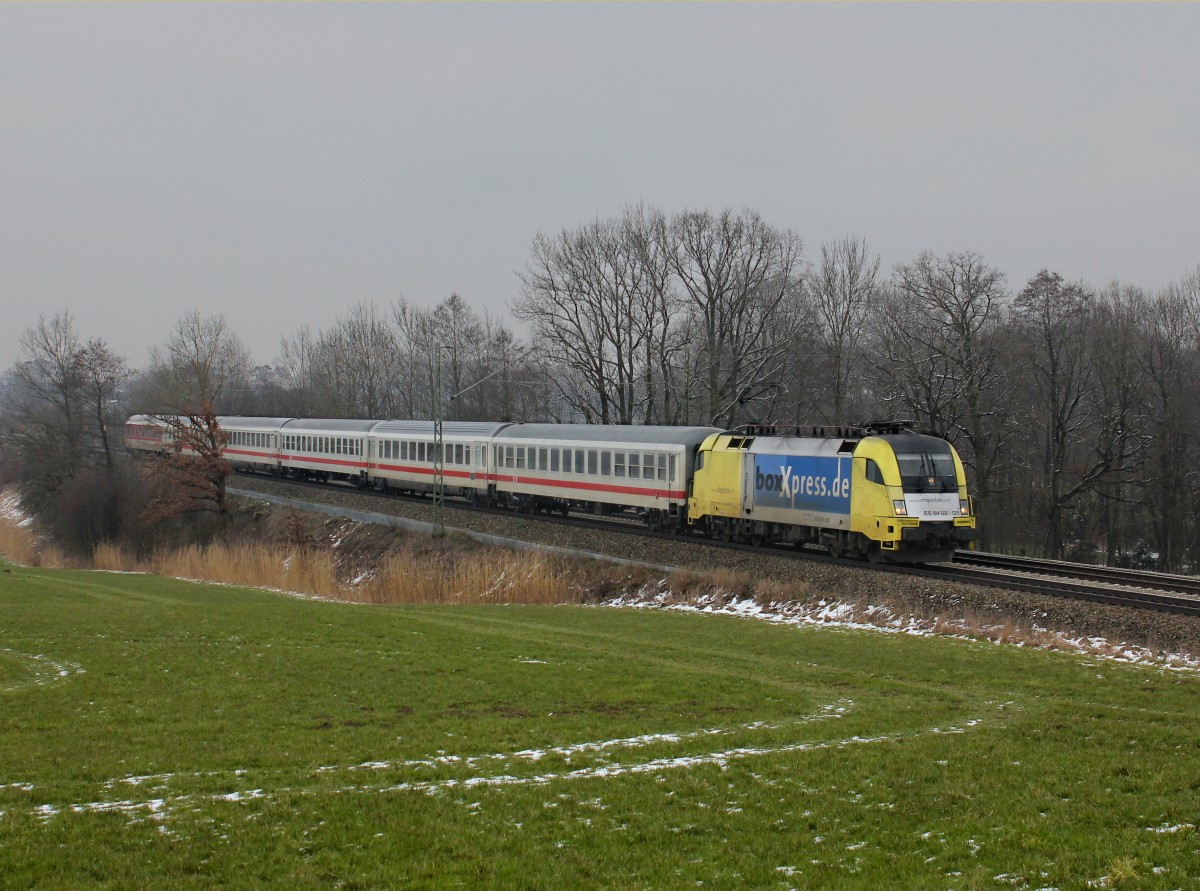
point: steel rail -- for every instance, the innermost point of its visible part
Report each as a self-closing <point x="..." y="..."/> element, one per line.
<point x="1157" y="581"/>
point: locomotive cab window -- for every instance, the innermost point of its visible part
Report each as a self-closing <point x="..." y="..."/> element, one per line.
<point x="874" y="474"/>
<point x="927" y="470"/>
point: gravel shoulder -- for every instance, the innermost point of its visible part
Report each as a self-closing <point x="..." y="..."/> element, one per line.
<point x="807" y="579"/>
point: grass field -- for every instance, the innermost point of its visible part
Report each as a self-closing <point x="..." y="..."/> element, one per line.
<point x="156" y="734"/>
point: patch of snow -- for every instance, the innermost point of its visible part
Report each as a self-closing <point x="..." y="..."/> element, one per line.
<point x="10" y="509"/>
<point x="882" y="619"/>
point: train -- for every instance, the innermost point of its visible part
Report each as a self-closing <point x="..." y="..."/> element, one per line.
<point x="879" y="491"/>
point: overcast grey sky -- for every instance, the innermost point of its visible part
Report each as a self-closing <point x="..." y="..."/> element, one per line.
<point x="277" y="163"/>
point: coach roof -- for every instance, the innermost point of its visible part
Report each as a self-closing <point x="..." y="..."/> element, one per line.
<point x="227" y="422"/>
<point x="623" y="433"/>
<point x="328" y="425"/>
<point x="481" y="429"/>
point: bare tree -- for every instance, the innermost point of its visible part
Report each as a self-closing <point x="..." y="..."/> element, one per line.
<point x="1054" y="319"/>
<point x="102" y="373"/>
<point x="458" y="330"/>
<point x="739" y="275"/>
<point x="942" y="356"/>
<point x="1120" y="394"/>
<point x="1172" y="367"/>
<point x="580" y="297"/>
<point x="192" y="479"/>
<point x="201" y="363"/>
<point x="844" y="287"/>
<point x="295" y="364"/>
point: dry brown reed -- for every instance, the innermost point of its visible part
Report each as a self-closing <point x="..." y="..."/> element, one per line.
<point x="485" y="575"/>
<point x="252" y="565"/>
<point x="19" y="544"/>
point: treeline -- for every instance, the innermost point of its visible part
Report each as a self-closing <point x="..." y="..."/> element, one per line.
<point x="1075" y="408"/>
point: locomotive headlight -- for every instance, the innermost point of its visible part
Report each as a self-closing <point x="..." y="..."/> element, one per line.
<point x="900" y="508"/>
<point x="964" y="507"/>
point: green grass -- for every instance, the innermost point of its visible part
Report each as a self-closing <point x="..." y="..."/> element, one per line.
<point x="163" y="734"/>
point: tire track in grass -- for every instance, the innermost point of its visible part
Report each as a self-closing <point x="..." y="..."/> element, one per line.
<point x="40" y="670"/>
<point x="496" y="770"/>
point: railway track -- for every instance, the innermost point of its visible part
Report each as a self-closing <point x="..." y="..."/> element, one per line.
<point x="1096" y="584"/>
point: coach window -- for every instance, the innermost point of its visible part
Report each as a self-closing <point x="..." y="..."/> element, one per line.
<point x="619" y="464"/>
<point x="647" y="467"/>
<point x="635" y="465"/>
<point x="543" y="459"/>
<point x="671" y="468"/>
<point x="520" y="457"/>
<point x="554" y="460"/>
<point x="579" y="461"/>
<point x="606" y="463"/>
<point x="662" y="468"/>
<point x="591" y="465"/>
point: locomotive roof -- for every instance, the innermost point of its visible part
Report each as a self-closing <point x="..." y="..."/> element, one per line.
<point x="915" y="442"/>
<point x="449" y="428"/>
<point x="623" y="433"/>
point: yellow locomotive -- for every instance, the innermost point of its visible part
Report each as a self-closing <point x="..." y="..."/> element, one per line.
<point x="881" y="491"/>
